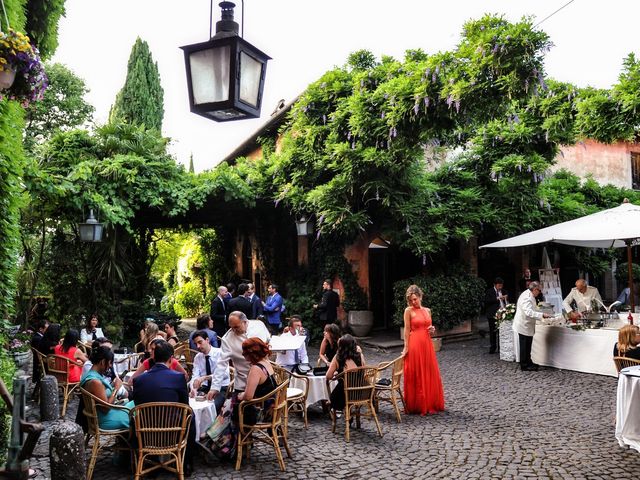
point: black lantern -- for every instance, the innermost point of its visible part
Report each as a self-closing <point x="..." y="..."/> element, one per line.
<point x="91" y="229"/>
<point x="226" y="74"/>
<point x="303" y="226"/>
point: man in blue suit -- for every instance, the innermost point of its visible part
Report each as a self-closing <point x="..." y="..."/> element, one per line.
<point x="161" y="384"/>
<point x="273" y="307"/>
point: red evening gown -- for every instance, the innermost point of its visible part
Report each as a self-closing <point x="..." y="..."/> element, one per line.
<point x="422" y="384"/>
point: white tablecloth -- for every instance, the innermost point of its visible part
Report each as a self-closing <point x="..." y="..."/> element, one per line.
<point x="628" y="408"/>
<point x="317" y="388"/>
<point x="588" y="351"/>
<point x="125" y="361"/>
<point x="204" y="413"/>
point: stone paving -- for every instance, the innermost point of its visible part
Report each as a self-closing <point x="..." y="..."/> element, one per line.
<point x="499" y="423"/>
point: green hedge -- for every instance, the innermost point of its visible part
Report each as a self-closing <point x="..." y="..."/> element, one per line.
<point x="451" y="298"/>
<point x="7" y="371"/>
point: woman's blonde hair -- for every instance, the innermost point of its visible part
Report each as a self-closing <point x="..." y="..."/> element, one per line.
<point x="150" y="333"/>
<point x="413" y="290"/>
<point x="627" y="338"/>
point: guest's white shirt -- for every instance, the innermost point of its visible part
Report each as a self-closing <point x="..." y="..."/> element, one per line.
<point x="287" y="358"/>
<point x="524" y="321"/>
<point x="232" y="350"/>
<point x="87" y="337"/>
<point x="583" y="300"/>
<point x="200" y="366"/>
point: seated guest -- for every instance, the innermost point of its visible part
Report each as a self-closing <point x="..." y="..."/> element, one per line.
<point x="50" y="339"/>
<point x="94" y="382"/>
<point x="162" y="384"/>
<point x="151" y="332"/>
<point x="110" y="375"/>
<point x="329" y="345"/>
<point x="204" y="324"/>
<point x="150" y="362"/>
<point x="348" y="356"/>
<point x="625" y="296"/>
<point x="581" y="296"/>
<point x="170" y="329"/>
<point x="290" y="358"/>
<point x="628" y="340"/>
<point x="91" y="331"/>
<point x="261" y="378"/>
<point x="204" y="366"/>
<point x="69" y="350"/>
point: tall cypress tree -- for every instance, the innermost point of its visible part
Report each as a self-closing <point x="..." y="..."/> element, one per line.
<point x="141" y="100"/>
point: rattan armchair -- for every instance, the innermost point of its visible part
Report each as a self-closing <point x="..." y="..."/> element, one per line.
<point x="59" y="367"/>
<point x="161" y="429"/>
<point x="623" y="362"/>
<point x="393" y="392"/>
<point x="296" y="397"/>
<point x="90" y="410"/>
<point x="359" y="389"/>
<point x="270" y="430"/>
<point x="41" y="360"/>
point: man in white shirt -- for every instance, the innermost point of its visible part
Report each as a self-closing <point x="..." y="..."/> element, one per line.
<point x="290" y="358"/>
<point x="524" y="324"/>
<point x="240" y="329"/>
<point x="205" y="364"/>
<point x="582" y="296"/>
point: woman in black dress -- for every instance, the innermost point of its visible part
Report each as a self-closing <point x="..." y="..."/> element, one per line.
<point x="628" y="340"/>
<point x="349" y="356"/>
<point x="260" y="379"/>
<point x="329" y="345"/>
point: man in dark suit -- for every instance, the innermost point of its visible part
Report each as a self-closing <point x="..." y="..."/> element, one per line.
<point x="161" y="384"/>
<point x="494" y="299"/>
<point x="328" y="306"/>
<point x="256" y="301"/>
<point x="219" y="312"/>
<point x="241" y="303"/>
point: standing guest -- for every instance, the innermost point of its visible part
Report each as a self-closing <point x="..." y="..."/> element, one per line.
<point x="240" y="329"/>
<point x="628" y="340"/>
<point x="219" y="311"/>
<point x="423" y="391"/>
<point x="328" y="306"/>
<point x="524" y="324"/>
<point x="349" y="356"/>
<point x="162" y="384"/>
<point x="261" y="378"/>
<point x="241" y="303"/>
<point x="204" y="364"/>
<point x="50" y="339"/>
<point x="70" y="350"/>
<point x="494" y="299"/>
<point x="256" y="302"/>
<point x="273" y="307"/>
<point x="94" y="382"/>
<point x="170" y="329"/>
<point x="582" y="296"/>
<point x="204" y="323"/>
<point x="91" y="331"/>
<point x="231" y="292"/>
<point x="148" y="364"/>
<point x="290" y="359"/>
<point x="329" y="345"/>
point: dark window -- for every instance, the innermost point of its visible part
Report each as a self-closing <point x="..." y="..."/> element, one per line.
<point x="635" y="170"/>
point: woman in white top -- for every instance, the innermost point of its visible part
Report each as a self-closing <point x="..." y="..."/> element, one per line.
<point x="91" y="331"/>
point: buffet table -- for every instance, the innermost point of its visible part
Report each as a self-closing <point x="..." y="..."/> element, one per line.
<point x="588" y="351"/>
<point x="627" y="411"/>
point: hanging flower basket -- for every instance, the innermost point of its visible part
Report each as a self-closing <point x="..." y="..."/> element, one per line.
<point x="20" y="60"/>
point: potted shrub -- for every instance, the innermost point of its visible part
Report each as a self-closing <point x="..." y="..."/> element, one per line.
<point x="22" y="75"/>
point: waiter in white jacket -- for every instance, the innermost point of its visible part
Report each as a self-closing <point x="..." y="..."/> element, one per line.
<point x="582" y="295"/>
<point x="524" y="324"/>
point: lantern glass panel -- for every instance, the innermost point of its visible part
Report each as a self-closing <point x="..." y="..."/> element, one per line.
<point x="86" y="232"/>
<point x="250" y="74"/>
<point x="210" y="74"/>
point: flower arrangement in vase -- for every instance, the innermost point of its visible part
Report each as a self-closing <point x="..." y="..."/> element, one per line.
<point x="505" y="313"/>
<point x="22" y="75"/>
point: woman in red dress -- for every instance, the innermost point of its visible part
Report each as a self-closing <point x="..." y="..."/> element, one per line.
<point x="422" y="384"/>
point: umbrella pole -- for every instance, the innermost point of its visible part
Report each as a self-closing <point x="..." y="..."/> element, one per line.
<point x="630" y="278"/>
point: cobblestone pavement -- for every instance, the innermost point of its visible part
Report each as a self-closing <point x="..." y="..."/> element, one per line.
<point x="499" y="423"/>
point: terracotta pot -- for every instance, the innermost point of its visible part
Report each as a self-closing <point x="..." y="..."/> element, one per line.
<point x="7" y="77"/>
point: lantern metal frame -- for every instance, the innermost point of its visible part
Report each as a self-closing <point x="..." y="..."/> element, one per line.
<point x="91" y="230"/>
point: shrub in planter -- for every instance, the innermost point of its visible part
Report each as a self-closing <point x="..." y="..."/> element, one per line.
<point x="451" y="298"/>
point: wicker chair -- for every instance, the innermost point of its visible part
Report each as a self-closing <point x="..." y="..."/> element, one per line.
<point x="59" y="367"/>
<point x="623" y="362"/>
<point x="296" y="398"/>
<point x="161" y="428"/>
<point x="393" y="392"/>
<point x="270" y="431"/>
<point x="42" y="362"/>
<point x="359" y="389"/>
<point x="90" y="411"/>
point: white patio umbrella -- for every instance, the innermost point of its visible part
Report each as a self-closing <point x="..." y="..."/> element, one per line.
<point x="616" y="227"/>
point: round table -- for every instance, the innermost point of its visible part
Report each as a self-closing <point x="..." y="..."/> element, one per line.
<point x="125" y="362"/>
<point x="628" y="408"/>
<point x="204" y="413"/>
<point x="317" y="388"/>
